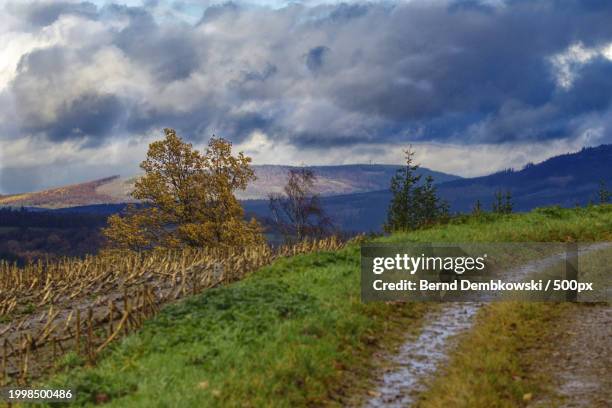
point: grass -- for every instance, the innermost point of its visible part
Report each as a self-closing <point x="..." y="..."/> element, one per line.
<point x="493" y="364"/>
<point x="550" y="224"/>
<point x="295" y="333"/>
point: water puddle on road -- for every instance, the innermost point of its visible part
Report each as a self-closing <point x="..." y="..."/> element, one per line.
<point x="419" y="359"/>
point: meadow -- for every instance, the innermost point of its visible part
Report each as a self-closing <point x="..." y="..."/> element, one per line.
<point x="295" y="332"/>
<point x="49" y="308"/>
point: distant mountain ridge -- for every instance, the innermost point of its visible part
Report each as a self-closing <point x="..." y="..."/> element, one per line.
<point x="68" y="196"/>
<point x="566" y="180"/>
<point x="332" y="180"/>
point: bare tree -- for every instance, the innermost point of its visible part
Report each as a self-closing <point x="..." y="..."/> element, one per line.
<point x="297" y="212"/>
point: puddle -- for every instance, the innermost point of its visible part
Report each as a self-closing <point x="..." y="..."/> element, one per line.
<point x="419" y="358"/>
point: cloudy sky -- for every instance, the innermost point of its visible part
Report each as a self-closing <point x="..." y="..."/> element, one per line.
<point x="475" y="86"/>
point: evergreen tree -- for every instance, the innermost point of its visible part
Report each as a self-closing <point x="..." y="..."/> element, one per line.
<point x="428" y="206"/>
<point x="443" y="210"/>
<point x="603" y="193"/>
<point x="413" y="205"/>
<point x="508" y="206"/>
<point x="477" y="210"/>
<point x="502" y="202"/>
<point x="401" y="214"/>
<point x="498" y="205"/>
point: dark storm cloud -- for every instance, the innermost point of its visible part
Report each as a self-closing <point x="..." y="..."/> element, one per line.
<point x="591" y="91"/>
<point x="218" y="10"/>
<point x="201" y="122"/>
<point x="473" y="61"/>
<point x="171" y="55"/>
<point x="330" y="75"/>
<point x="315" y="57"/>
<point x="90" y="115"/>
<point x="41" y="14"/>
<point x="169" y="52"/>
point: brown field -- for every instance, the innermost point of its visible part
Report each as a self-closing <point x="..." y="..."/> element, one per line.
<point x="51" y="308"/>
<point x="68" y="196"/>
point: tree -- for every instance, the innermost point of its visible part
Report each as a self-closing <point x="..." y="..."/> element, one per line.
<point x="508" y="206"/>
<point x="603" y="193"/>
<point x="188" y="199"/>
<point x="413" y="205"/>
<point x="400" y="214"/>
<point x="477" y="210"/>
<point x="429" y="208"/>
<point x="502" y="203"/>
<point x="298" y="213"/>
<point x="497" y="206"/>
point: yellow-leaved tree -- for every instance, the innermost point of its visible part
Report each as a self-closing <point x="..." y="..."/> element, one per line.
<point x="188" y="199"/>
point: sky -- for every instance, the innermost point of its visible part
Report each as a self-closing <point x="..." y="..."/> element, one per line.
<point x="474" y="86"/>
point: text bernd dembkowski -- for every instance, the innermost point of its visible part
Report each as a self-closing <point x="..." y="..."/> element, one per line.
<point x="458" y="265"/>
<point x="464" y="285"/>
<point x="479" y="272"/>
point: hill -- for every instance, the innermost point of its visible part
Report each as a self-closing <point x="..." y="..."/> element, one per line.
<point x="565" y="180"/>
<point x="294" y="333"/>
<point x="72" y="195"/>
<point x="332" y="180"/>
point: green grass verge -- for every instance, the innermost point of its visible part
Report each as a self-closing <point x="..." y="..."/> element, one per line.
<point x="550" y="224"/>
<point x="493" y="363"/>
<point x="292" y="334"/>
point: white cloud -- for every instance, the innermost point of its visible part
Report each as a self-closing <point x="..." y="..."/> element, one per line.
<point x="304" y="83"/>
<point x="577" y="55"/>
<point x="466" y="161"/>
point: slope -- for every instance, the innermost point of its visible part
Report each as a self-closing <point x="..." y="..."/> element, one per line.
<point x="294" y="333"/>
<point x="332" y="180"/>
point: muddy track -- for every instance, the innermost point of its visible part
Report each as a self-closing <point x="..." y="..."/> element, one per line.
<point x="418" y="358"/>
<point x="581" y="364"/>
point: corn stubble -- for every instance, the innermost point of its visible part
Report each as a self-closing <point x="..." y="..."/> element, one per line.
<point x="82" y="305"/>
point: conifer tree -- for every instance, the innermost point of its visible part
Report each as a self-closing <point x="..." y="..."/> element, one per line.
<point x="413" y="205"/>
<point x="429" y="207"/>
<point x="502" y="202"/>
<point x="477" y="209"/>
<point x="603" y="193"/>
<point x="401" y="214"/>
<point x="508" y="206"/>
<point x="498" y="205"/>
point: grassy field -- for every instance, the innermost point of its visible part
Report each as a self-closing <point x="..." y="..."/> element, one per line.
<point x="492" y="366"/>
<point x="498" y="363"/>
<point x="296" y="333"/>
